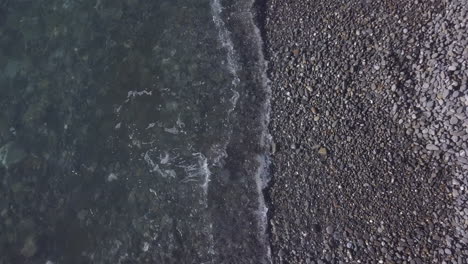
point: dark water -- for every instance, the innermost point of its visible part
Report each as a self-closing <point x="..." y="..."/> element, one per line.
<point x="132" y="132"/>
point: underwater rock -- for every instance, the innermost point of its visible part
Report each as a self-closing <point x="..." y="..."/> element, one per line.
<point x="30" y="248"/>
<point x="11" y="153"/>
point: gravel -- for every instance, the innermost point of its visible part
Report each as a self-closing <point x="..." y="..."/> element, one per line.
<point x="386" y="85"/>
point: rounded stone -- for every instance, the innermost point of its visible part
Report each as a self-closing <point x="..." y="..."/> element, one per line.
<point x="453" y="120"/>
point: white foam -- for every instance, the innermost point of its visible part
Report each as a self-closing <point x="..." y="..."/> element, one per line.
<point x="198" y="172"/>
<point x="262" y="173"/>
<point x="225" y="39"/>
<point x="155" y="167"/>
<point x="133" y="94"/>
<point x="164" y="159"/>
<point x="172" y="130"/>
<point x="151" y="125"/>
<point x="205" y="171"/>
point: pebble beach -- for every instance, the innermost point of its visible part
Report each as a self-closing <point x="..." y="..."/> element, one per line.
<point x="369" y="123"/>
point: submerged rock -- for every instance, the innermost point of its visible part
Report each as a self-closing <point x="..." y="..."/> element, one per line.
<point x="29" y="248"/>
<point x="11" y="153"/>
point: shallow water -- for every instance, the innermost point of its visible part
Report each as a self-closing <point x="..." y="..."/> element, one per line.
<point x="132" y="132"/>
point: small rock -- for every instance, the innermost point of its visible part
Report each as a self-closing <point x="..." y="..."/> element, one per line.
<point x="330" y="229"/>
<point x="453" y="120"/>
<point x="432" y="147"/>
<point x="445" y="93"/>
<point x="323" y="151"/>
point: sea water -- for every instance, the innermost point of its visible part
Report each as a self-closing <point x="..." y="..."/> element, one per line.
<point x="132" y="132"/>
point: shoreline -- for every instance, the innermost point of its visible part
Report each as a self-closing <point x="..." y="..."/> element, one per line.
<point x="361" y="171"/>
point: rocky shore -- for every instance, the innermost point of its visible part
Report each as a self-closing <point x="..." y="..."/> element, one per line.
<point x="369" y="122"/>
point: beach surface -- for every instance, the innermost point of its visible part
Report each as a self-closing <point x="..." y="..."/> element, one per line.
<point x="369" y="131"/>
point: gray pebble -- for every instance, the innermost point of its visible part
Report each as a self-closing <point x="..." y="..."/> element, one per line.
<point x="453" y="120"/>
<point x="432" y="147"/>
<point x="445" y="93"/>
